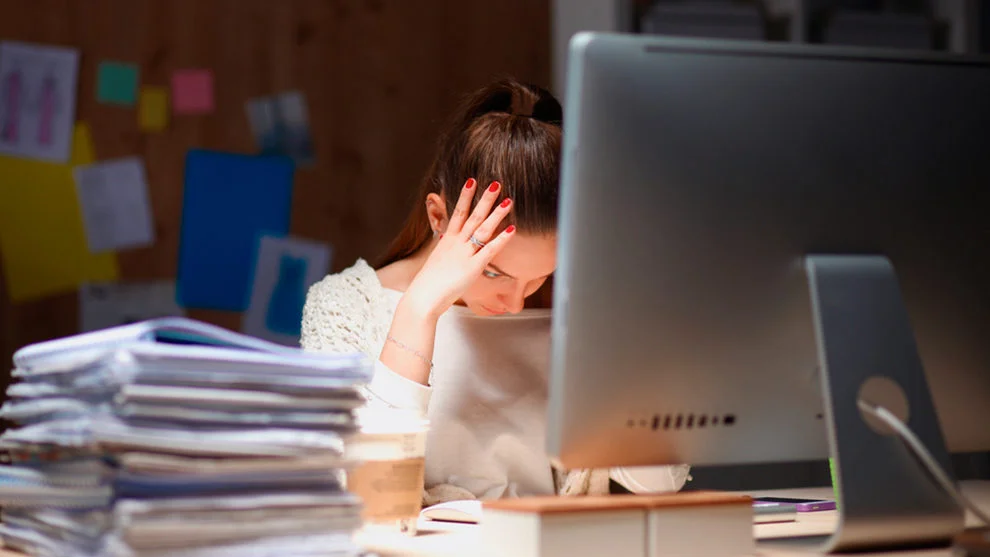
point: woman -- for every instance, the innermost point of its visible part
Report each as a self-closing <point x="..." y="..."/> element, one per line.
<point x="443" y="314"/>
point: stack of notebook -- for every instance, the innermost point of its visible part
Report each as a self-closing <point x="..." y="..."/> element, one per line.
<point x="173" y="437"/>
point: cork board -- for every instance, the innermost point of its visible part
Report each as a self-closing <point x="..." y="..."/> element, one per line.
<point x="379" y="77"/>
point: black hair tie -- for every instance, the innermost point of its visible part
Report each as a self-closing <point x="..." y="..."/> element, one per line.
<point x="500" y="101"/>
<point x="548" y="110"/>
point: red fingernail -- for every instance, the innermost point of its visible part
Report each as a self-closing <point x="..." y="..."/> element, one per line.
<point x="469" y="184"/>
<point x="494" y="187"/>
<point x="505" y="203"/>
<point x="511" y="228"/>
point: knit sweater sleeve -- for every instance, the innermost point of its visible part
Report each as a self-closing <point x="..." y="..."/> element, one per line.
<point x="340" y="311"/>
<point x="346" y="312"/>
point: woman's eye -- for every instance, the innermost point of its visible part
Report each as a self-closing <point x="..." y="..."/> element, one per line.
<point x="490" y="274"/>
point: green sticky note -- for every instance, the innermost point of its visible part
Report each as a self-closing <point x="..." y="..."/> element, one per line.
<point x="117" y="83"/>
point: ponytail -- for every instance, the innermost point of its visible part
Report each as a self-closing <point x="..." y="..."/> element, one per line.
<point x="507" y="131"/>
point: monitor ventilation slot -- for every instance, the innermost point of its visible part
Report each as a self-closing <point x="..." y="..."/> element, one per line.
<point x="681" y="421"/>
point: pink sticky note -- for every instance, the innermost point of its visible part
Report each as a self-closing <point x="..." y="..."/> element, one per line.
<point x="192" y="91"/>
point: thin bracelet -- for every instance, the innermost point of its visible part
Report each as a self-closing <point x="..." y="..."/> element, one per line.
<point x="415" y="352"/>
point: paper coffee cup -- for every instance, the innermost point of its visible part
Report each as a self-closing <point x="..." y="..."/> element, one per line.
<point x="390" y="450"/>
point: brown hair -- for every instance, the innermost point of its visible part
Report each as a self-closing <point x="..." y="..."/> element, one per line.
<point x="509" y="132"/>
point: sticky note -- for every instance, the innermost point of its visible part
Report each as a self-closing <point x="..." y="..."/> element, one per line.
<point x="153" y="109"/>
<point x="229" y="202"/>
<point x="41" y="232"/>
<point x="117" y="83"/>
<point x="83" y="150"/>
<point x="192" y="91"/>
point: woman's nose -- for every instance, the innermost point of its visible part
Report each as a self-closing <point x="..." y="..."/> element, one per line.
<point x="514" y="301"/>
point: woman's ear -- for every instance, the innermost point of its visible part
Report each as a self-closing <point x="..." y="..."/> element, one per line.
<point x="436" y="212"/>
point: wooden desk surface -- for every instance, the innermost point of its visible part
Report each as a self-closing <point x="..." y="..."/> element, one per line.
<point x="441" y="539"/>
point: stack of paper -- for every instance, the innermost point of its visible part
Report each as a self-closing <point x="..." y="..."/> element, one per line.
<point x="173" y="437"/>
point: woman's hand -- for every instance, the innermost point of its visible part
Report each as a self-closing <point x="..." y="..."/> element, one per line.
<point x="456" y="262"/>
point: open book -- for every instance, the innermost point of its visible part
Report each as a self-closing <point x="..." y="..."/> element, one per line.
<point x="467" y="511"/>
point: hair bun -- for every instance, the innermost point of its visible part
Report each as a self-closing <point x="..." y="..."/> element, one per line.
<point x="507" y="99"/>
<point x="548" y="110"/>
<point x="500" y="100"/>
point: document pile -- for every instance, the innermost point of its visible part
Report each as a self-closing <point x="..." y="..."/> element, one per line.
<point x="173" y="437"/>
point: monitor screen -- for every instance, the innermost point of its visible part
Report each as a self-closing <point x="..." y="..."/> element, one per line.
<point x="697" y="176"/>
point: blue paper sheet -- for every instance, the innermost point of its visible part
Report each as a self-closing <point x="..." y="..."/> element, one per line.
<point x="230" y="201"/>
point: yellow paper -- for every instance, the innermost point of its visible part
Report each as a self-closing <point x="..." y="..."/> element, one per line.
<point x="42" y="239"/>
<point x="83" y="151"/>
<point x="153" y="111"/>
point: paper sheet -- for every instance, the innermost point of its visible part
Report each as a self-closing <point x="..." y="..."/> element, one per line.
<point x="153" y="109"/>
<point x="229" y="202"/>
<point x="192" y="91"/>
<point x="37" y="100"/>
<point x="108" y="304"/>
<point x="115" y="207"/>
<point x="280" y="125"/>
<point x="42" y="239"/>
<point x="117" y="83"/>
<point x="285" y="269"/>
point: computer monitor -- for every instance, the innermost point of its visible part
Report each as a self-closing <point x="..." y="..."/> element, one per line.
<point x="755" y="236"/>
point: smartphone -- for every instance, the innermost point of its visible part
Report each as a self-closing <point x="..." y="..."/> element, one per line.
<point x="801" y="505"/>
<point x="765" y="512"/>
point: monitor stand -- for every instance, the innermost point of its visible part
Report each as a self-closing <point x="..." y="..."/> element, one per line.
<point x="866" y="349"/>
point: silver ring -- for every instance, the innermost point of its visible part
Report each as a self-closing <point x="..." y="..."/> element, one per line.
<point x="476" y="242"/>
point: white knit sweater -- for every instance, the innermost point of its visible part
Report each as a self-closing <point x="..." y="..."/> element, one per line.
<point x="351" y="311"/>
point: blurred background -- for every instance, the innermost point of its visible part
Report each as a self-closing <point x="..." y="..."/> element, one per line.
<point x="213" y="158"/>
<point x="378" y="77"/>
<point x="367" y="83"/>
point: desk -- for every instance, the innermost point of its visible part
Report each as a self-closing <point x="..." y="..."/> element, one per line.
<point x="442" y="539"/>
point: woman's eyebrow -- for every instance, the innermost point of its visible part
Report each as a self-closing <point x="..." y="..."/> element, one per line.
<point x="501" y="272"/>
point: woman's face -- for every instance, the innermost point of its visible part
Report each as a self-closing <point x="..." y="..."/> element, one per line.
<point x="516" y="272"/>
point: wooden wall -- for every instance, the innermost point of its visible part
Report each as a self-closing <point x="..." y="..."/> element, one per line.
<point x="379" y="76"/>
